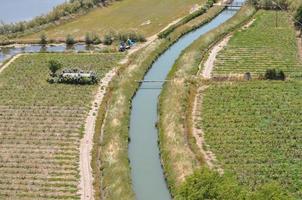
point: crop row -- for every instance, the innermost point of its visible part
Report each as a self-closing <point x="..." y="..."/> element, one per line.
<point x="41" y="125"/>
<point x="254" y="129"/>
<point x="263" y="45"/>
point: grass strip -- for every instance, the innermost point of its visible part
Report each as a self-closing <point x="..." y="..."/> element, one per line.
<point x="176" y="99"/>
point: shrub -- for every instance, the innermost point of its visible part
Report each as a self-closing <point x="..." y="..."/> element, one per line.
<point x="273" y="74"/>
<point x="43" y="39"/>
<point x="54" y="66"/>
<point x="108" y="39"/>
<point x="207" y="184"/>
<point x="70" y="40"/>
<point x="91" y="38"/>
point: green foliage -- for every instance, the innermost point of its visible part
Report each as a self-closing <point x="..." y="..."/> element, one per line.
<point x="271" y="191"/>
<point x="260" y="47"/>
<point x="134" y="36"/>
<point x="70" y="40"/>
<point x="46" y="122"/>
<point x="54" y="66"/>
<point x="43" y="39"/>
<point x="91" y="38"/>
<point x="206" y="184"/>
<point x="273" y="74"/>
<point x="108" y="39"/>
<point x="253" y="128"/>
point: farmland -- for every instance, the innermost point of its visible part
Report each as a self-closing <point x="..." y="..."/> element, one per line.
<point x="41" y="125"/>
<point x="262" y="46"/>
<point x="255" y="131"/>
<point x="147" y="17"/>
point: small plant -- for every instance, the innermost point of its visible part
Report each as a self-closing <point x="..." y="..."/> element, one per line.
<point x="92" y="39"/>
<point x="43" y="39"/>
<point x="54" y="66"/>
<point x="108" y="40"/>
<point x="70" y="40"/>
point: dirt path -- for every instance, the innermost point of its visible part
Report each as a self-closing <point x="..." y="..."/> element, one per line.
<point x="9" y="62"/>
<point x="86" y="144"/>
<point x="209" y="64"/>
<point x="209" y="156"/>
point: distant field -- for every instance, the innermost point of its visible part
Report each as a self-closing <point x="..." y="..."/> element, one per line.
<point x="41" y="125"/>
<point x="262" y="46"/>
<point x="125" y="15"/>
<point x="254" y="129"/>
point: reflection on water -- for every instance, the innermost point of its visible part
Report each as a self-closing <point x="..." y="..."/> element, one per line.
<point x="8" y="52"/>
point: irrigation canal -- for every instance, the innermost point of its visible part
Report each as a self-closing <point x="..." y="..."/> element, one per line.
<point x="146" y="169"/>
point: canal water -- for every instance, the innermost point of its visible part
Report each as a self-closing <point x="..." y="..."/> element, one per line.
<point x="7" y="52"/>
<point x="146" y="170"/>
<point x="12" y="11"/>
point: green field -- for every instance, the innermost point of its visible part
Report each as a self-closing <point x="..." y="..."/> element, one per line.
<point x="254" y="129"/>
<point x="262" y="46"/>
<point x="126" y="15"/>
<point x="41" y="126"/>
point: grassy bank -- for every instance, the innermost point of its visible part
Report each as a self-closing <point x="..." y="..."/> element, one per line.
<point x="176" y="145"/>
<point x="41" y="125"/>
<point x="144" y="16"/>
<point x="114" y="164"/>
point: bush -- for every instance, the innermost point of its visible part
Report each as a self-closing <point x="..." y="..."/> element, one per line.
<point x="207" y="184"/>
<point x="108" y="39"/>
<point x="54" y="66"/>
<point x="136" y="37"/>
<point x="70" y="40"/>
<point x="92" y="39"/>
<point x="273" y="74"/>
<point x="43" y="39"/>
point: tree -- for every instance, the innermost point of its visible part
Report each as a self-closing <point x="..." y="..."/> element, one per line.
<point x="207" y="184"/>
<point x="69" y="40"/>
<point x="54" y="66"/>
<point x="43" y="39"/>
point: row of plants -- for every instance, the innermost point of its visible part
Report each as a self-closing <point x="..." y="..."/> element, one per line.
<point x="176" y="99"/>
<point x="262" y="46"/>
<point x="94" y="39"/>
<point x="187" y="18"/>
<point x="41" y="125"/>
<point x="253" y="129"/>
<point x="111" y="137"/>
